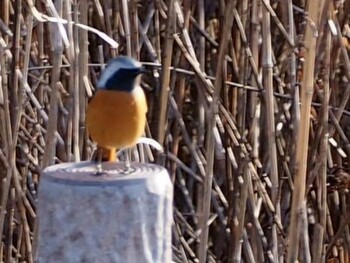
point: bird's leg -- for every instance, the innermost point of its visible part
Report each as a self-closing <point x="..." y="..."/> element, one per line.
<point x="99" y="161"/>
<point x="127" y="160"/>
<point x="128" y="169"/>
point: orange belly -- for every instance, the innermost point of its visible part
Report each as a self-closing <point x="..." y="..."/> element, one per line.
<point x="116" y="119"/>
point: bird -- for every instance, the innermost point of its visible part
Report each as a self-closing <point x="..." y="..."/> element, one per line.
<point x="116" y="114"/>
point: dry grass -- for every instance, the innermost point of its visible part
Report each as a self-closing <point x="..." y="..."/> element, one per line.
<point x="249" y="99"/>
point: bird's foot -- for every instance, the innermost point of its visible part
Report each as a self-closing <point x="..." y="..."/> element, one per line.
<point x="128" y="169"/>
<point x="99" y="170"/>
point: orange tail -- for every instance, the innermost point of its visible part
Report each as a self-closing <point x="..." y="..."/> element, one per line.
<point x="109" y="155"/>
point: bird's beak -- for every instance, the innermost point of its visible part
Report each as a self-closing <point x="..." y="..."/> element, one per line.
<point x="142" y="70"/>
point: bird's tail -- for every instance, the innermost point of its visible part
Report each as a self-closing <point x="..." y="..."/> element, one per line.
<point x="109" y="155"/>
<point x="105" y="155"/>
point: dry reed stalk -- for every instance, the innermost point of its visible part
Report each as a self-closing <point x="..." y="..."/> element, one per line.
<point x="167" y="55"/>
<point x="134" y="29"/>
<point x="254" y="67"/>
<point x="186" y="137"/>
<point x="11" y="221"/>
<point x="71" y="88"/>
<point x="179" y="95"/>
<point x="295" y="94"/>
<point x="254" y="110"/>
<point x="201" y="60"/>
<point x="239" y="220"/>
<point x="213" y="110"/>
<point x="78" y="70"/>
<point x="50" y="140"/>
<point x="346" y="61"/>
<point x="127" y="28"/>
<point x="23" y="205"/>
<point x="319" y="251"/>
<point x="298" y="203"/>
<point x="270" y="117"/>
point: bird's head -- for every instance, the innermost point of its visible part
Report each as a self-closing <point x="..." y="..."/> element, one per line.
<point x="120" y="74"/>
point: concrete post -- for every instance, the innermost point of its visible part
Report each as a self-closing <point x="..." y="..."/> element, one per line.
<point x="107" y="218"/>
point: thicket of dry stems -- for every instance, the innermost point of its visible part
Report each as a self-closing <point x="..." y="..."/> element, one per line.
<point x="249" y="99"/>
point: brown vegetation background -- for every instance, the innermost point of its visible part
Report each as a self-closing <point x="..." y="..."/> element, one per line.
<point x="249" y="99"/>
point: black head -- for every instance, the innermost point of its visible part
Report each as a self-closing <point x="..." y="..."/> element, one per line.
<point x="120" y="74"/>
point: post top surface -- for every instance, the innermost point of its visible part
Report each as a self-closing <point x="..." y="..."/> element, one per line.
<point x="84" y="173"/>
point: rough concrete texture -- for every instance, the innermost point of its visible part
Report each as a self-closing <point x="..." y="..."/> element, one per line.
<point x="107" y="218"/>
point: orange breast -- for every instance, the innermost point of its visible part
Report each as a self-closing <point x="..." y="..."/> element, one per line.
<point x="116" y="119"/>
